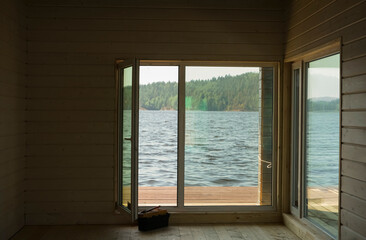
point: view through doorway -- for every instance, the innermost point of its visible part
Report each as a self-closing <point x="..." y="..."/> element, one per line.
<point x="227" y="158"/>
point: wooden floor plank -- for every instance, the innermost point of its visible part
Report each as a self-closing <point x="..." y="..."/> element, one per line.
<point x="222" y="232"/>
<point x="234" y="232"/>
<point x="232" y="196"/>
<point x="124" y="233"/>
<point x="167" y="196"/>
<point x="185" y="233"/>
<point x="246" y="231"/>
<point x="209" y="232"/>
<point x="171" y="232"/>
<point x="274" y="231"/>
<point x="197" y="233"/>
<point x="181" y="232"/>
<point x="261" y="233"/>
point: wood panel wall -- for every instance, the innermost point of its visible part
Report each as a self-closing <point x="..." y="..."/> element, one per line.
<point x="72" y="47"/>
<point x="312" y="24"/>
<point x="12" y="116"/>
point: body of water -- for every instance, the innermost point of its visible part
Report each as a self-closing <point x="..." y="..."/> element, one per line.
<point x="221" y="148"/>
<point x="322" y="149"/>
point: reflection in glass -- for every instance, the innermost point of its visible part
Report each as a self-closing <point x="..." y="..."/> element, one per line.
<point x="222" y="136"/>
<point x="158" y="119"/>
<point x="322" y="143"/>
<point x="126" y="136"/>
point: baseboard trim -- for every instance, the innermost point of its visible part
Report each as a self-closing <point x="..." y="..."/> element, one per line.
<point x="233" y="217"/>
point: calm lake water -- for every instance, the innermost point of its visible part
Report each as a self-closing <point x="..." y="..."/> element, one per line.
<point x="222" y="148"/>
<point x="322" y="149"/>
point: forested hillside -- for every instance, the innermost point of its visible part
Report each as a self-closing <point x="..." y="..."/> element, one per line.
<point x="316" y="105"/>
<point x="229" y="93"/>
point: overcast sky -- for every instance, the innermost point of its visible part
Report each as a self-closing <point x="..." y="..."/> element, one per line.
<point x="206" y="73"/>
<point x="322" y="81"/>
<point x="149" y="74"/>
<point x="323" y="77"/>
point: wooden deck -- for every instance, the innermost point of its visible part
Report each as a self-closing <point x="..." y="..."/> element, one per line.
<point x="323" y="208"/>
<point x="320" y="199"/>
<point x="203" y="196"/>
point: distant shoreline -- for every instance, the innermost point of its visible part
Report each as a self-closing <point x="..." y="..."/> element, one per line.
<point x="167" y="110"/>
<point x="144" y="109"/>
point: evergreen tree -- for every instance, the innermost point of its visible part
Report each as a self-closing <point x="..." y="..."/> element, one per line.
<point x="228" y="93"/>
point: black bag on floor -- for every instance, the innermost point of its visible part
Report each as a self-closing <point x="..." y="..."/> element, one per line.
<point x="153" y="218"/>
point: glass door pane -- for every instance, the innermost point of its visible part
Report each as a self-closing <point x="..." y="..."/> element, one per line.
<point x="322" y="143"/>
<point x="126" y="137"/>
<point x="158" y="135"/>
<point x="225" y="143"/>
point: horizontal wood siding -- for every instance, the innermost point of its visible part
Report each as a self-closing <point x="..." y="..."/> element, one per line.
<point x="72" y="48"/>
<point x="12" y="116"/>
<point x="311" y="24"/>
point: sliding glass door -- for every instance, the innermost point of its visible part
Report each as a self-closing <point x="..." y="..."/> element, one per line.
<point x="223" y="135"/>
<point x="204" y="136"/>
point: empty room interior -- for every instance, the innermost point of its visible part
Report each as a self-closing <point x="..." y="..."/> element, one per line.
<point x="242" y="119"/>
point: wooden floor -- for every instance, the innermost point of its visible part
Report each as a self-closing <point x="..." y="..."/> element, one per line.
<point x="188" y="232"/>
<point x="202" y="196"/>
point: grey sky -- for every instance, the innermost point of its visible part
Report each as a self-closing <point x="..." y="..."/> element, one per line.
<point x="323" y="77"/>
<point x="206" y="73"/>
<point x="149" y="74"/>
<point x="323" y="82"/>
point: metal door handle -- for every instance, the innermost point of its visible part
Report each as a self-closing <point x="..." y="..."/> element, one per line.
<point x="128" y="139"/>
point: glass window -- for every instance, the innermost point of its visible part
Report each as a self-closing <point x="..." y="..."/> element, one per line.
<point x="158" y="126"/>
<point x="126" y="136"/>
<point x="322" y="142"/>
<point x="228" y="143"/>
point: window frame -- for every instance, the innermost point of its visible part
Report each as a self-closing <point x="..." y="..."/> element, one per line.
<point x="182" y="64"/>
<point x="118" y="152"/>
<point x="302" y="61"/>
<point x="296" y="210"/>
